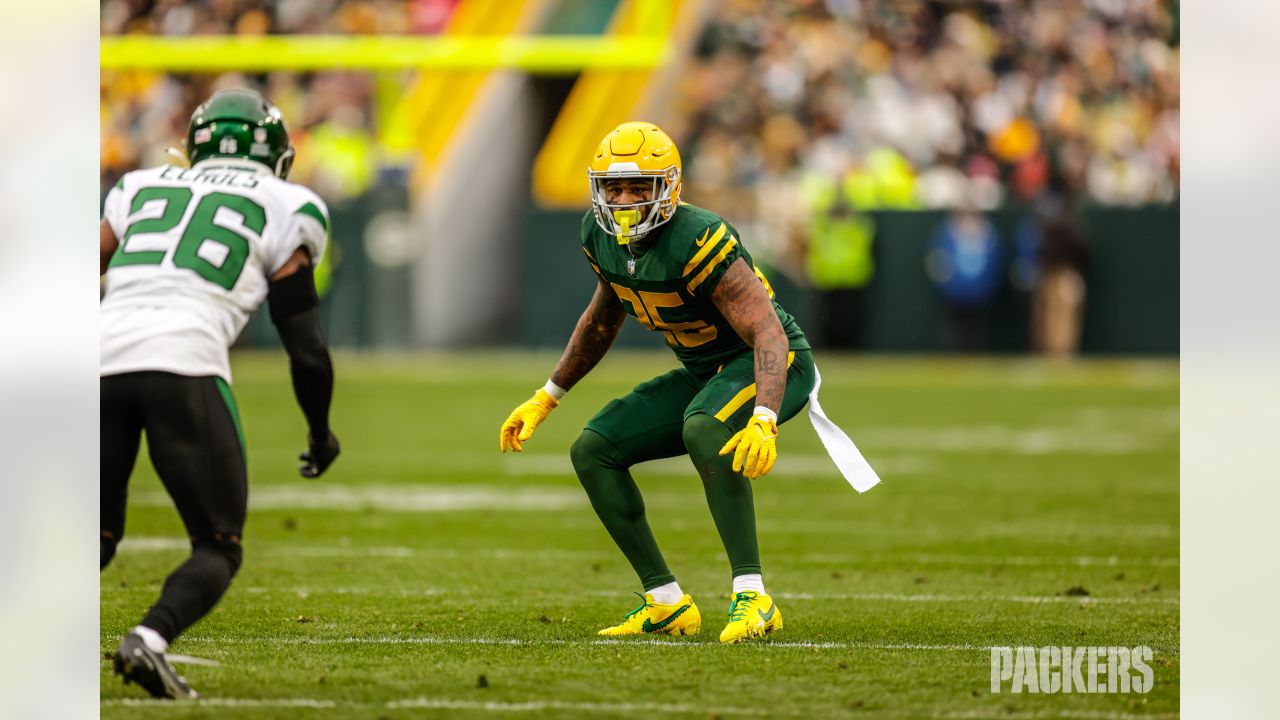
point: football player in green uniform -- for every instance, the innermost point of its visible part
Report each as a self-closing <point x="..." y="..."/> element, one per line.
<point x="681" y="271"/>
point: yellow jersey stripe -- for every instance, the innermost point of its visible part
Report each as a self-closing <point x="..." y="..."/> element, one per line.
<point x="743" y="395"/>
<point x="706" y="248"/>
<point x="592" y="260"/>
<point x="706" y="271"/>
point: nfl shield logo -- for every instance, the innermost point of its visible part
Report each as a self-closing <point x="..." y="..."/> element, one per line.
<point x="631" y="267"/>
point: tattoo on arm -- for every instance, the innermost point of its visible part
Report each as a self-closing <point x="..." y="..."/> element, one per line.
<point x="592" y="338"/>
<point x="743" y="301"/>
<point x="769" y="361"/>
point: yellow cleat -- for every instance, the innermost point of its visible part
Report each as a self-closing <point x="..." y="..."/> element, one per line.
<point x="751" y="616"/>
<point x="682" y="618"/>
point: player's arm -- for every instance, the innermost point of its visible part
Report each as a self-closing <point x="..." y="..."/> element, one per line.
<point x="107" y="244"/>
<point x="591" y="339"/>
<point x="295" y="311"/>
<point x="744" y="302"/>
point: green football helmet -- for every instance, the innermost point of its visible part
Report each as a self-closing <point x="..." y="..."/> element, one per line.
<point x="242" y="124"/>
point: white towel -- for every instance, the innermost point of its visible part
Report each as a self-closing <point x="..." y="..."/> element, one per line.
<point x="843" y="452"/>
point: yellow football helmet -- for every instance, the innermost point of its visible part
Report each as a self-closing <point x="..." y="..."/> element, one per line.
<point x="636" y="150"/>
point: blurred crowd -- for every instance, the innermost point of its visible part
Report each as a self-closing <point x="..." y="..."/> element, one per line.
<point x="796" y="118"/>
<point x="803" y="117"/>
<point x="907" y="103"/>
<point x="264" y="17"/>
<point x="338" y="116"/>
<point x="935" y="103"/>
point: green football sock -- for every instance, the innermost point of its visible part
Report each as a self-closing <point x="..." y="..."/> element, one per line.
<point x="728" y="493"/>
<point x="604" y="474"/>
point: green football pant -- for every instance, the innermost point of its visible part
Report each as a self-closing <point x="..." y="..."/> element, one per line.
<point x="677" y="414"/>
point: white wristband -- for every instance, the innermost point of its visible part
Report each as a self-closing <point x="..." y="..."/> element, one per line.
<point x="762" y="410"/>
<point x="554" y="390"/>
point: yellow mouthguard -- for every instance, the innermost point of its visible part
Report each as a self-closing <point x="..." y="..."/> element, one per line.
<point x="625" y="219"/>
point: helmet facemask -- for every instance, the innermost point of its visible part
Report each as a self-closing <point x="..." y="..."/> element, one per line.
<point x="633" y="221"/>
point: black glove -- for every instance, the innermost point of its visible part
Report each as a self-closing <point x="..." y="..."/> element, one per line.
<point x="319" y="456"/>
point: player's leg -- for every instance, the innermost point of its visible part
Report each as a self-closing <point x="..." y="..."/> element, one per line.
<point x="721" y="409"/>
<point x="120" y="428"/>
<point x="643" y="425"/>
<point x="194" y="437"/>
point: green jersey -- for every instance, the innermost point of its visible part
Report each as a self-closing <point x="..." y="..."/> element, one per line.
<point x="666" y="284"/>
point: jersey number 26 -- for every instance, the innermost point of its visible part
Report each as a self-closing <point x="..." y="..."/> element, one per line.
<point x="200" y="229"/>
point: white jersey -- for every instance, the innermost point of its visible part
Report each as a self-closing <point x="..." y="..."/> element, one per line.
<point x="197" y="248"/>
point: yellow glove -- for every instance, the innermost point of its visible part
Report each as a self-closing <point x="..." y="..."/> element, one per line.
<point x="756" y="445"/>
<point x="520" y="424"/>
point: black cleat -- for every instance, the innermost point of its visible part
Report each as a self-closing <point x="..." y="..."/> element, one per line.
<point x="148" y="668"/>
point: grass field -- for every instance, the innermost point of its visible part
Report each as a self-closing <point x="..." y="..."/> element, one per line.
<point x="429" y="576"/>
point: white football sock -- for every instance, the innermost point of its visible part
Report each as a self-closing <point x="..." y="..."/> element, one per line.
<point x="668" y="594"/>
<point x="151" y="638"/>
<point x="742" y="583"/>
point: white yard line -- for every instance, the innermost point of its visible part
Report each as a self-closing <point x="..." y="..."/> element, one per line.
<point x="304" y="593"/>
<point x="597" y="707"/>
<point x="1001" y="714"/>
<point x="1021" y="440"/>
<point x="944" y="598"/>
<point x="789" y="465"/>
<point x="441" y="704"/>
<point x="1026" y="599"/>
<point x="224" y="702"/>
<point x="166" y="544"/>
<point x="408" y="497"/>
<point x="514" y="642"/>
<point x="641" y="642"/>
<point x="1110" y="561"/>
<point x="591" y="707"/>
<point x="1028" y="560"/>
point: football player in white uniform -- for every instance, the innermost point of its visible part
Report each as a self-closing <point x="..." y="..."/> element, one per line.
<point x="188" y="254"/>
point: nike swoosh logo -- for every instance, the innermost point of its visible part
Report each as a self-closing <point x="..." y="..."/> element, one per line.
<point x="767" y="616"/>
<point x="652" y="627"/>
<point x="703" y="240"/>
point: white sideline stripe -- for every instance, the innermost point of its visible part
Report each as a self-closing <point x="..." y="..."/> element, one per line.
<point x="224" y="702"/>
<point x="396" y="498"/>
<point x="1027" y="599"/>
<point x="846" y="528"/>
<point x="640" y="642"/>
<point x="927" y="598"/>
<point x="1085" y="439"/>
<point x="995" y="714"/>
<point x="790" y="465"/>
<point x="438" y="704"/>
<point x="306" y="592"/>
<point x="157" y="544"/>
<point x="536" y="705"/>
<point x="515" y="642"/>
<point x="165" y="544"/>
<point x="1078" y="561"/>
